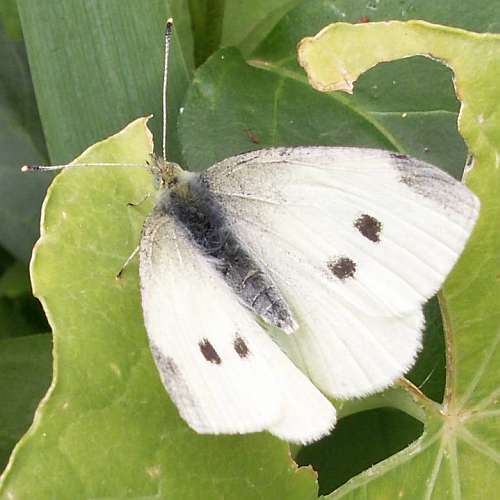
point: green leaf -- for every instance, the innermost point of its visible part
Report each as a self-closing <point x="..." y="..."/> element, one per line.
<point x="481" y="15"/>
<point x="247" y="23"/>
<point x="108" y="427"/>
<point x="99" y="65"/>
<point x="20" y="312"/>
<point x="429" y="372"/>
<point x="9" y="19"/>
<point x="457" y="455"/>
<point x="244" y="25"/>
<point x="12" y="321"/>
<point x="379" y="433"/>
<point x="206" y="17"/>
<point x="21" y="141"/>
<point x="15" y="281"/>
<point x="416" y="114"/>
<point x="25" y="365"/>
<point x="233" y="107"/>
<point x="6" y="260"/>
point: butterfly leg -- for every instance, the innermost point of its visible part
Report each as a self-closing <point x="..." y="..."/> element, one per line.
<point x="127" y="262"/>
<point x="140" y="202"/>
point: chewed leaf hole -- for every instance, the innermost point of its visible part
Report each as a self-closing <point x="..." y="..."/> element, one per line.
<point x="358" y="442"/>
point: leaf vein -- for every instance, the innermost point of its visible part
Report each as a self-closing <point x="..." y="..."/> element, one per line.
<point x="479" y="373"/>
<point x="454" y="470"/>
<point x="435" y="470"/>
<point x="478" y="444"/>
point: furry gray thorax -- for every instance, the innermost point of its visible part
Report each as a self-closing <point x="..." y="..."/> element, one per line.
<point x="195" y="207"/>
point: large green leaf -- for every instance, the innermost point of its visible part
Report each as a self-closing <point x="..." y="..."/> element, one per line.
<point x="108" y="428"/>
<point x="457" y="455"/>
<point x="98" y="65"/>
<point x="232" y="107"/>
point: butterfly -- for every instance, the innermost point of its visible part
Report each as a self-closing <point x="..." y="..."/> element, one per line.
<point x="280" y="277"/>
<point x="284" y="275"/>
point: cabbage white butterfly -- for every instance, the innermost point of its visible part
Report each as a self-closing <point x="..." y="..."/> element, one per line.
<point x="282" y="276"/>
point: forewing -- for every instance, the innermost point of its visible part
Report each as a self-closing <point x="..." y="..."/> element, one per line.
<point x="357" y="240"/>
<point x="221" y="369"/>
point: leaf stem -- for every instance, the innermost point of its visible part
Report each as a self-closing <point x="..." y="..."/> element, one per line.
<point x="450" y="352"/>
<point x="418" y="396"/>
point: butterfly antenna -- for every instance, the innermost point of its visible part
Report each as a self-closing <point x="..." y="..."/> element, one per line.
<point x="168" y="38"/>
<point x="49" y="168"/>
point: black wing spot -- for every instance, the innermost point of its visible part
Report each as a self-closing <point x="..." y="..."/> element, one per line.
<point x="241" y="347"/>
<point x="369" y="227"/>
<point x="342" y="267"/>
<point x="208" y="351"/>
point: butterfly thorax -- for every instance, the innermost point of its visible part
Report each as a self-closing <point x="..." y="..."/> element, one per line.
<point x="195" y="208"/>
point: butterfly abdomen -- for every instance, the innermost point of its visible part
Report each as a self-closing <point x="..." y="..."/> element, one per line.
<point x="195" y="208"/>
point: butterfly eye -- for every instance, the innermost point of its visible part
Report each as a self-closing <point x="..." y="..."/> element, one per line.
<point x="172" y="182"/>
<point x="156" y="181"/>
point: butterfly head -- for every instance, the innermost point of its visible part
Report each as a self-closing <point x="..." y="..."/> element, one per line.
<point x="166" y="174"/>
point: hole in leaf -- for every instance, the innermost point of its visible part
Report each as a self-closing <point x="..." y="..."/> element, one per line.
<point x="358" y="442"/>
<point x="429" y="372"/>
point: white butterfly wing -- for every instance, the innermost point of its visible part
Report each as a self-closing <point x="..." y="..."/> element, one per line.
<point x="222" y="370"/>
<point x="357" y="240"/>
